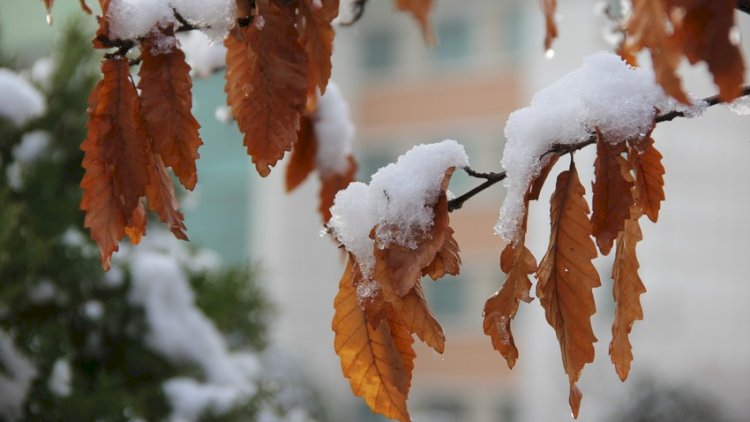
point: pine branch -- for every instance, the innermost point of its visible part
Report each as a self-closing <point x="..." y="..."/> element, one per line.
<point x="562" y="149"/>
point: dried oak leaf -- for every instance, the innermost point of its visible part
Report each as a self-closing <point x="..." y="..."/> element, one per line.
<point x="645" y="160"/>
<point x="316" y="35"/>
<point x="331" y="183"/>
<point x="518" y="263"/>
<point x="549" y="7"/>
<point x="115" y="158"/>
<point x="102" y="33"/>
<point x="627" y="289"/>
<point x="420" y="10"/>
<point x="419" y="320"/>
<point x="161" y="198"/>
<point x="704" y="34"/>
<point x="611" y="193"/>
<point x="302" y="159"/>
<point x="166" y="101"/>
<point x="266" y="82"/>
<point x="567" y="277"/>
<point x="137" y="227"/>
<point x="377" y="360"/>
<point x="647" y="28"/>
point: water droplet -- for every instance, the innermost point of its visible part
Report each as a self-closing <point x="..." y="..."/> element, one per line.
<point x="735" y="36"/>
<point x="49" y="19"/>
<point x="550" y="53"/>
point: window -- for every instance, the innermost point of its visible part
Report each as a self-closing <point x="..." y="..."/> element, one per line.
<point x="513" y="34"/>
<point x="379" y="51"/>
<point x="452" y="41"/>
<point x="446" y="296"/>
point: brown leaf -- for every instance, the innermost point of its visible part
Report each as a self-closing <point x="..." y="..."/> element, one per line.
<point x="567" y="278"/>
<point x="330" y="184"/>
<point x="137" y="226"/>
<point x="167" y="102"/>
<point x="402" y="266"/>
<point x="649" y="176"/>
<point x="85" y="7"/>
<point x="420" y="10"/>
<point x="627" y="289"/>
<point x="302" y="160"/>
<point x="612" y="199"/>
<point x="102" y="32"/>
<point x="647" y="28"/>
<point x="266" y="82"/>
<point x="549" y="7"/>
<point x="536" y="186"/>
<point x="316" y="35"/>
<point x="518" y="263"/>
<point x="161" y="198"/>
<point x="418" y="319"/>
<point x="378" y="361"/>
<point x="704" y="34"/>
<point x="48" y="5"/>
<point x="447" y="259"/>
<point x="115" y="158"/>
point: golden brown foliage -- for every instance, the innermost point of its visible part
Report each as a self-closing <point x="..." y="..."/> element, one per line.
<point x="167" y="102"/>
<point x="316" y="35"/>
<point x="549" y="7"/>
<point x="421" y="10"/>
<point x="612" y="200"/>
<point x="331" y="183"/>
<point x="645" y="160"/>
<point x="567" y="278"/>
<point x="266" y="83"/>
<point x="302" y="159"/>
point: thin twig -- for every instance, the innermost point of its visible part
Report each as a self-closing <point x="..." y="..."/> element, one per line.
<point x="743" y="6"/>
<point x="562" y="149"/>
<point x="358" y="9"/>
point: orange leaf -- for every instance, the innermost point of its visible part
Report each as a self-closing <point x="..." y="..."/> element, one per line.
<point x="102" y="33"/>
<point x="302" y="160"/>
<point x="447" y="260"/>
<point x="567" y="278"/>
<point x="85" y="7"/>
<point x="549" y="7"/>
<point x="378" y="361"/>
<point x="649" y="177"/>
<point x="137" y="226"/>
<point x="167" y="102"/>
<point x="704" y="34"/>
<point x="419" y="320"/>
<point x="266" y="82"/>
<point x="316" y="35"/>
<point x="421" y="10"/>
<point x="627" y="289"/>
<point x="161" y="198"/>
<point x="536" y="186"/>
<point x="518" y="263"/>
<point x="48" y="5"/>
<point x="114" y="158"/>
<point x="330" y="184"/>
<point x="612" y="199"/>
<point x="647" y="28"/>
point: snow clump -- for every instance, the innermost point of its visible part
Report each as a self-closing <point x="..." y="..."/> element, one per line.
<point x="20" y="101"/>
<point x="15" y="379"/>
<point x="400" y="195"/>
<point x="334" y="131"/>
<point x="604" y="93"/>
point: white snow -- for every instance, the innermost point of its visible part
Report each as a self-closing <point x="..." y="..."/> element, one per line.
<point x="604" y="93"/>
<point x="20" y="101"/>
<point x="183" y="334"/>
<point x="15" y="379"/>
<point x="334" y="131"/>
<point x="203" y="55"/>
<point x="33" y="144"/>
<point x="740" y="106"/>
<point x="223" y="114"/>
<point x="130" y="19"/>
<point x="398" y="200"/>
<point x="43" y="292"/>
<point x="60" y="378"/>
<point x="93" y="309"/>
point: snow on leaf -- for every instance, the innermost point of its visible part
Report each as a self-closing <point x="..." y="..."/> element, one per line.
<point x="627" y="289"/>
<point x="567" y="277"/>
<point x="611" y="193"/>
<point x="331" y="184"/>
<point x="167" y="102"/>
<point x="316" y="35"/>
<point x="378" y="361"/>
<point x="518" y="263"/>
<point x="115" y="158"/>
<point x="266" y="82"/>
<point x="549" y="7"/>
<point x="420" y="10"/>
<point x="302" y="159"/>
<point x="649" y="176"/>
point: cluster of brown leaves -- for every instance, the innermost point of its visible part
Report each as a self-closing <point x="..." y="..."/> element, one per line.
<point x="628" y="183"/>
<point x="699" y="30"/>
<point x="278" y="60"/>
<point x="376" y="315"/>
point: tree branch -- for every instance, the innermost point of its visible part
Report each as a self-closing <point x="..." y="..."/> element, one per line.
<point x="358" y="9"/>
<point x="743" y="6"/>
<point x="562" y="149"/>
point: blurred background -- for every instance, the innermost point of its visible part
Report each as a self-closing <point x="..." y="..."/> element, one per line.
<point x="692" y="351"/>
